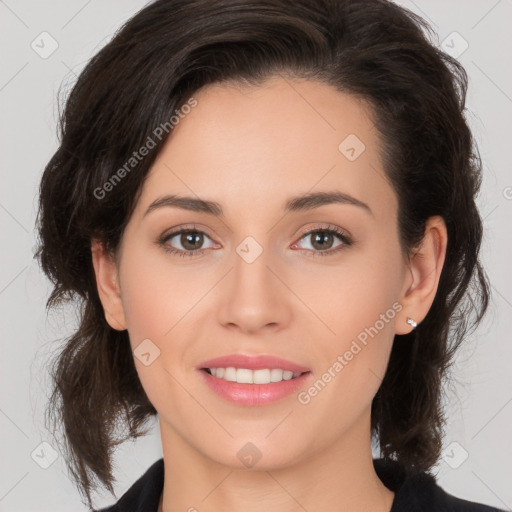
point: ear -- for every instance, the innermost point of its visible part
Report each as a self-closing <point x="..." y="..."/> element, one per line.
<point x="425" y="267"/>
<point x="107" y="283"/>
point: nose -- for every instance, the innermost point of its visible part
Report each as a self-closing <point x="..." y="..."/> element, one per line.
<point x="254" y="297"/>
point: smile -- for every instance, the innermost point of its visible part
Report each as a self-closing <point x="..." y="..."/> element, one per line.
<point x="253" y="380"/>
<point x="247" y="376"/>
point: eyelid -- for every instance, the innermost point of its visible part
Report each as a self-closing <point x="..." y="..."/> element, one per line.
<point x="325" y="227"/>
<point x="185" y="227"/>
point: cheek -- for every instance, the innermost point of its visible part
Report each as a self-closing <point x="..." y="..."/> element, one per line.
<point x="158" y="302"/>
<point x="156" y="296"/>
<point x="358" y="304"/>
<point x="352" y="295"/>
<point x="161" y="302"/>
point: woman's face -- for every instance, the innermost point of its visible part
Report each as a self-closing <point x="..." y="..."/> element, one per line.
<point x="264" y="277"/>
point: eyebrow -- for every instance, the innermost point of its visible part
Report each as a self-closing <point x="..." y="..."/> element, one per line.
<point x="303" y="202"/>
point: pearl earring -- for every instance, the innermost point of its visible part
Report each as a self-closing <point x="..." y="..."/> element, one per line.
<point x="410" y="321"/>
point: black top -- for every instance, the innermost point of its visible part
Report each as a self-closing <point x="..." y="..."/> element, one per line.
<point x="413" y="493"/>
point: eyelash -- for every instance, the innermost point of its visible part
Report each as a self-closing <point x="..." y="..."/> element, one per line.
<point x="330" y="229"/>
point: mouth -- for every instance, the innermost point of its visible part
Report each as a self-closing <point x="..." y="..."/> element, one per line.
<point x="253" y="380"/>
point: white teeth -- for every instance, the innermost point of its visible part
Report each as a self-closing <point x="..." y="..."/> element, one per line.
<point x="276" y="375"/>
<point x="246" y="376"/>
<point x="229" y="374"/>
<point x="243" y="376"/>
<point x="261" y="376"/>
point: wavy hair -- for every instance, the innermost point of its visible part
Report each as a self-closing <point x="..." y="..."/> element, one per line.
<point x="372" y="49"/>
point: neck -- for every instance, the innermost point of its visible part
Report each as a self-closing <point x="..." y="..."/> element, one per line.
<point x="339" y="477"/>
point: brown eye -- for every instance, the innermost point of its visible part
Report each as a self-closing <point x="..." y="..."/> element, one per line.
<point x="191" y="240"/>
<point x="323" y="241"/>
<point x="185" y="242"/>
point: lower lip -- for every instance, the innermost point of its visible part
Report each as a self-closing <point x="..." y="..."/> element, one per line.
<point x="254" y="394"/>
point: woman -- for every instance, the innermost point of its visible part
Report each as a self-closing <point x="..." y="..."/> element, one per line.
<point x="268" y="212"/>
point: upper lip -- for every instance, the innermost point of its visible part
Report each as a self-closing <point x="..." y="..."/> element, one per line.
<point x="253" y="363"/>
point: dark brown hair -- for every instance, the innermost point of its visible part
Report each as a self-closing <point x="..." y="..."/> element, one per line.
<point x="373" y="49"/>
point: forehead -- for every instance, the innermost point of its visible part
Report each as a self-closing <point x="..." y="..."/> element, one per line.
<point x="251" y="145"/>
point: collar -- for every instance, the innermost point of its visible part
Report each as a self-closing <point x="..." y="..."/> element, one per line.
<point x="414" y="491"/>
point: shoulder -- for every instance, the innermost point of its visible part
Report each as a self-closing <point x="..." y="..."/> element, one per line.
<point x="419" y="492"/>
<point x="144" y="494"/>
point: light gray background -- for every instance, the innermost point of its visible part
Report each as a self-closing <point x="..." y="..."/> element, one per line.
<point x="479" y="402"/>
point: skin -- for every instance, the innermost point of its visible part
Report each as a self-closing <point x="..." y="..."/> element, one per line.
<point x="251" y="149"/>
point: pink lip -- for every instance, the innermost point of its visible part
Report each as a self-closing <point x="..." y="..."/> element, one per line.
<point x="253" y="394"/>
<point x="252" y="363"/>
